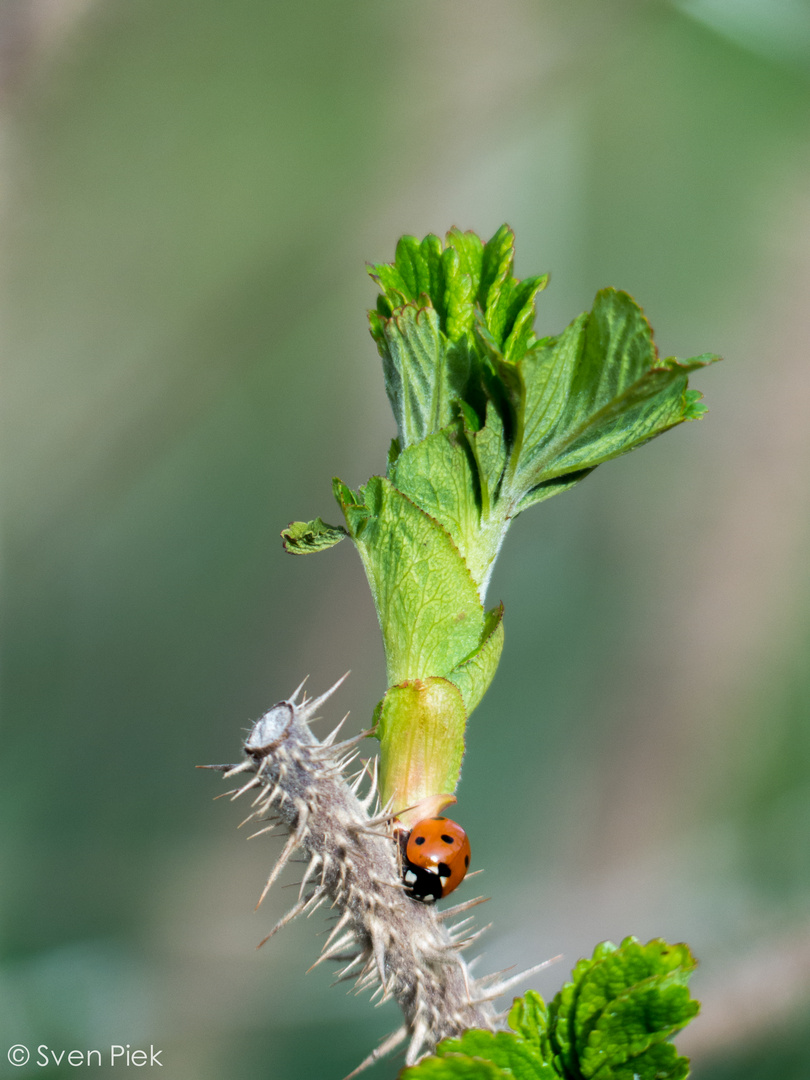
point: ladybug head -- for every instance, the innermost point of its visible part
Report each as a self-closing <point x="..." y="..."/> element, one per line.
<point x="436" y="856"/>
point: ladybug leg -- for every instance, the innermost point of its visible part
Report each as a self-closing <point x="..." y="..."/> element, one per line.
<point x="401" y="842"/>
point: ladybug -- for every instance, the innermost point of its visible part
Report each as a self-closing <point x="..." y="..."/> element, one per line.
<point x="435" y="858"/>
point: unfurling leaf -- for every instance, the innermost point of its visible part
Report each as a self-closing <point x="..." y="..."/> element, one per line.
<point x="306" y="537"/>
<point x="597" y="391"/>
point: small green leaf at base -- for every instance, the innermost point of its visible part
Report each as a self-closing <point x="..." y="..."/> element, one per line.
<point x="518" y="1057"/>
<point x="455" y="1067"/>
<point x="660" y="1062"/>
<point x="528" y="1018"/>
<point x="307" y="537"/>
<point x="611" y="1022"/>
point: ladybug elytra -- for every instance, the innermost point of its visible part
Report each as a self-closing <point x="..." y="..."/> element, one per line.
<point x="435" y="858"/>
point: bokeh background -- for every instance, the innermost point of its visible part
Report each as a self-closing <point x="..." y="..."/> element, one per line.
<point x="190" y="192"/>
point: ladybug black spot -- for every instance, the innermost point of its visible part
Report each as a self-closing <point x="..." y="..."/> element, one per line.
<point x="466" y="860"/>
<point x="447" y="839"/>
<point x="419" y="840"/>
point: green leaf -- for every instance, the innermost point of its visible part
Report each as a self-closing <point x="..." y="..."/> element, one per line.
<point x="448" y="475"/>
<point x="621" y="1005"/>
<point x="660" y="1062"/>
<point x="459" y="294"/>
<point x="306" y="537"/>
<point x="518" y="1057"/>
<point x="470" y="252"/>
<point x="639" y="1020"/>
<point x="693" y="406"/>
<point x="426" y="274"/>
<point x="354" y="509"/>
<point x="488" y="445"/>
<point x="438" y="474"/>
<point x="423" y="376"/>
<point x="412" y="268"/>
<point x="528" y="1018"/>
<point x="611" y="1022"/>
<point x="413" y="366"/>
<point x="395" y="289"/>
<point x="550" y="487"/>
<point x="539" y="390"/>
<point x="427" y="602"/>
<point x="454" y="1067"/>
<point x="511" y="320"/>
<point x="496" y="268"/>
<point x="474" y="675"/>
<point x="522" y="1054"/>
<point x="431" y="251"/>
<point x="420" y="725"/>
<point x="597" y="391"/>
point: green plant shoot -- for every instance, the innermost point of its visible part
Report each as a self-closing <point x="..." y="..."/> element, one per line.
<point x="490" y="420"/>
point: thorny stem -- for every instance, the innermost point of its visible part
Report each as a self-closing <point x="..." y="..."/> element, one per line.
<point x="382" y="938"/>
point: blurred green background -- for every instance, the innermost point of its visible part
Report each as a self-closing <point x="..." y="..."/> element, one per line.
<point x="191" y="190"/>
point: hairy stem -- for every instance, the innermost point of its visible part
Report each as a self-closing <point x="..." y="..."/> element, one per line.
<point x="404" y="949"/>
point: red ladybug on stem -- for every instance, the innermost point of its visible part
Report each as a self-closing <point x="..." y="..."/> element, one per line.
<point x="435" y="858"/>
